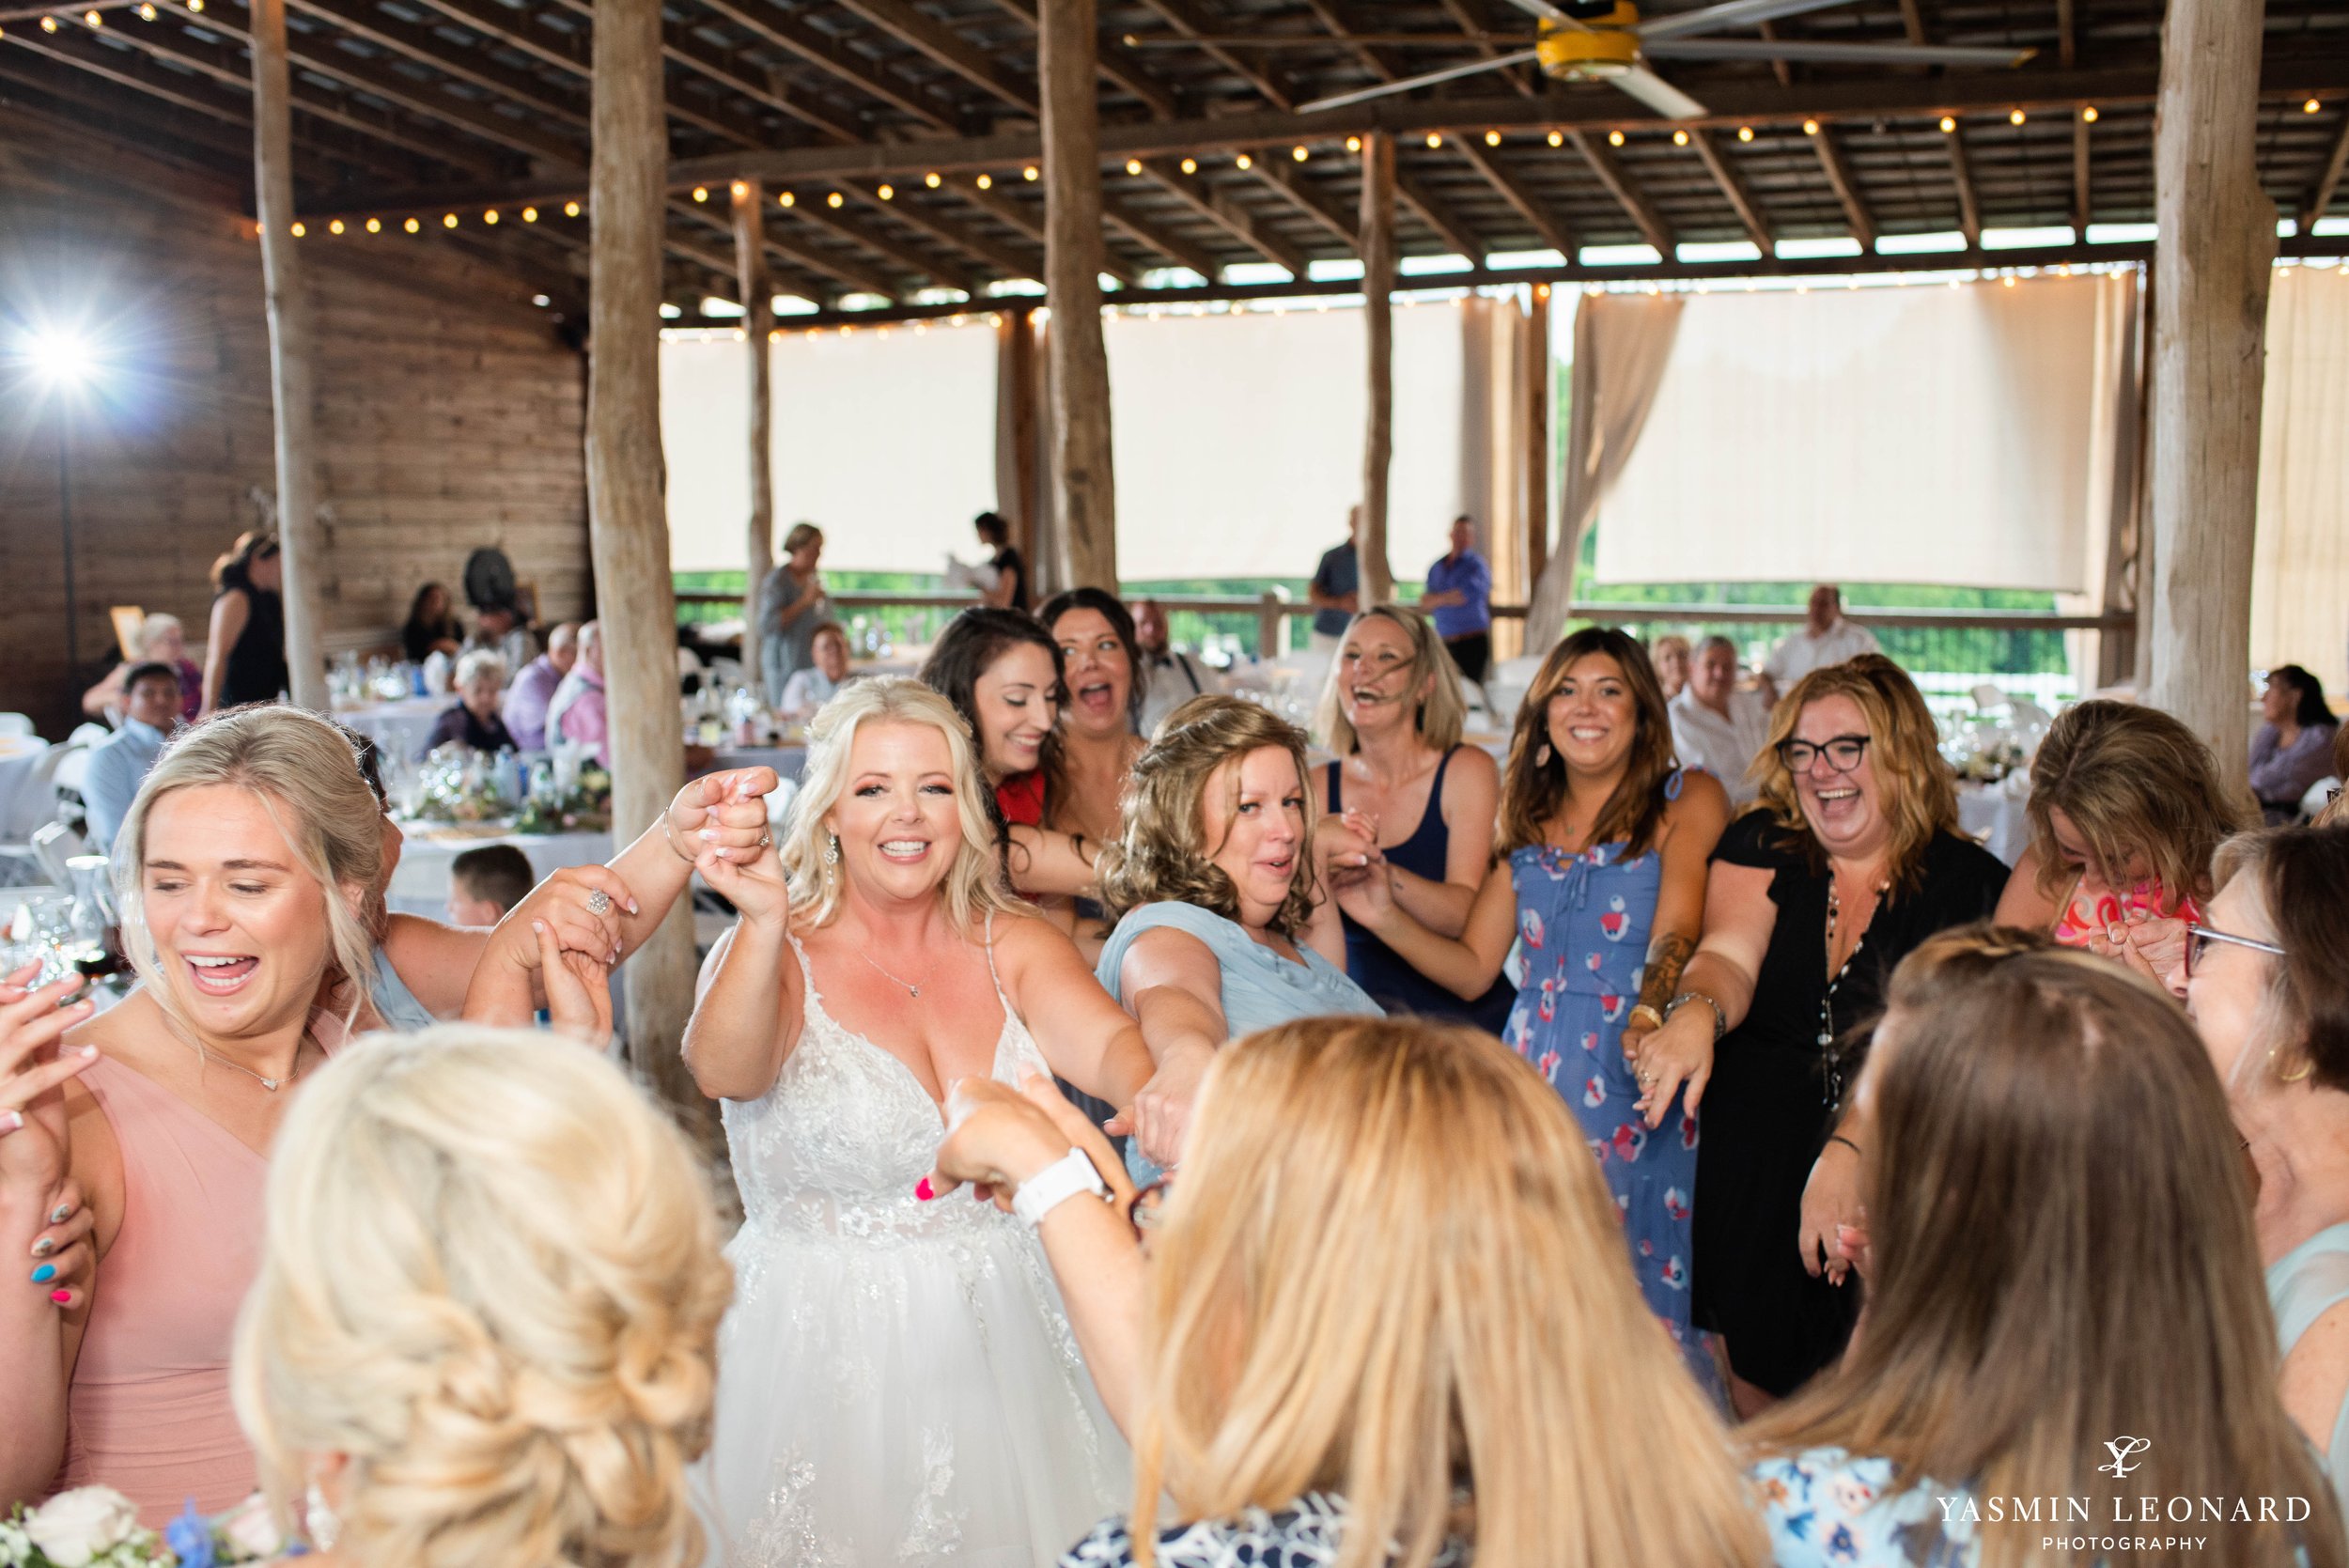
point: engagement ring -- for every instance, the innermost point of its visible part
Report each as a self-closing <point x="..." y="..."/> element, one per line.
<point x="598" y="902"/>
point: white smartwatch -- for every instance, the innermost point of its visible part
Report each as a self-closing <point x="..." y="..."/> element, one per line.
<point x="1058" y="1181"/>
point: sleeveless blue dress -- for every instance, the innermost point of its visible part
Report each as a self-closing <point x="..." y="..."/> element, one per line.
<point x="1583" y="923"/>
<point x="2302" y="1286"/>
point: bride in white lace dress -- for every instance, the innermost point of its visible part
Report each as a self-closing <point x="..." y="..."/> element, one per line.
<point x="897" y="1383"/>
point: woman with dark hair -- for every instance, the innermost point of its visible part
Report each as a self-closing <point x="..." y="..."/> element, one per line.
<point x="1011" y="577"/>
<point x="2061" y="1266"/>
<point x="1102" y="701"/>
<point x="244" y="659"/>
<point x="1851" y="858"/>
<point x="2292" y="749"/>
<point x="430" y="628"/>
<point x="1601" y="878"/>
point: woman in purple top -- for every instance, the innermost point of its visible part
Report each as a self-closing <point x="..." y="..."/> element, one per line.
<point x="2295" y="747"/>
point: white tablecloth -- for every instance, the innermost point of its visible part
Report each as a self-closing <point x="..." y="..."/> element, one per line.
<point x="398" y="727"/>
<point x="23" y="805"/>
<point x="420" y="886"/>
<point x="1994" y="817"/>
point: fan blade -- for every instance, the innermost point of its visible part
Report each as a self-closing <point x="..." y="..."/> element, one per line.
<point x="1320" y="40"/>
<point x="1831" y="53"/>
<point x="1736" y="13"/>
<point x="1656" y="93"/>
<point x="1388" y="89"/>
<point x="1546" y="11"/>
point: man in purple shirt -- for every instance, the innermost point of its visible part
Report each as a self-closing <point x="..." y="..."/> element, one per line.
<point x="525" y="711"/>
<point x="1460" y="593"/>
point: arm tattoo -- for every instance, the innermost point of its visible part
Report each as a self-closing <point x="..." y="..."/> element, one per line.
<point x="1667" y="955"/>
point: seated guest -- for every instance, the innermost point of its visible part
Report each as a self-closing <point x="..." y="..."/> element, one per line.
<point x="1383" y="1319"/>
<point x="485" y="884"/>
<point x="161" y="639"/>
<point x="483" y="1326"/>
<point x="1404" y="783"/>
<point x="1169" y="677"/>
<point x="473" y="721"/>
<point x="525" y="707"/>
<point x="576" y="714"/>
<point x="431" y="627"/>
<point x="1460" y="593"/>
<point x="1824" y="637"/>
<point x="2267" y="990"/>
<point x="118" y="763"/>
<point x="2062" y="1272"/>
<point x="1715" y="725"/>
<point x="2126" y="808"/>
<point x="807" y="689"/>
<point x="2292" y="747"/>
<point x="1669" y="655"/>
<point x="498" y="628"/>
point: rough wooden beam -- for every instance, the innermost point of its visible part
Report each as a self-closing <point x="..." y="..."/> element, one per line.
<point x="2067" y="35"/>
<point x="1512" y="191"/>
<point x="1913" y="23"/>
<point x="1376" y="244"/>
<point x="2211" y="281"/>
<point x="1780" y="69"/>
<point x="679" y="44"/>
<point x="1734" y="190"/>
<point x="1083" y="477"/>
<point x="851" y="273"/>
<point x="779" y="28"/>
<point x="1008" y="211"/>
<point x="821" y="215"/>
<point x="915" y="214"/>
<point x="1839" y="176"/>
<point x="1155" y="96"/>
<point x="757" y="292"/>
<point x="2327" y="183"/>
<point x="1627" y="194"/>
<point x="1962" y="173"/>
<point x="1167" y="243"/>
<point x="1188" y="19"/>
<point x="2083" y="194"/>
<point x="1373" y="60"/>
<point x="1291" y="180"/>
<point x="1522" y="81"/>
<point x="293" y="404"/>
<point x="1429" y="208"/>
<point x="946" y="47"/>
<point x="1220" y="208"/>
<point x="467" y="64"/>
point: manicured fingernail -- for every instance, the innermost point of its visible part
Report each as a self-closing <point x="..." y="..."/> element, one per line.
<point x="46" y="1246"/>
<point x="709" y="832"/>
<point x="45" y="1273"/>
<point x="90" y="1051"/>
<point x="538" y="926"/>
<point x="9" y="1121"/>
<point x="62" y="1298"/>
<point x="632" y="907"/>
<point x="62" y="1213"/>
<point x="923" y="1190"/>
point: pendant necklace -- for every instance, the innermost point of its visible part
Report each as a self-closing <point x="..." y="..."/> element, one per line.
<point x="272" y="1085"/>
<point x="1829" y="1062"/>
<point x="912" y="990"/>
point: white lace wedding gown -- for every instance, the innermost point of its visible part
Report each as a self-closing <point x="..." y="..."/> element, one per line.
<point x="898" y="1387"/>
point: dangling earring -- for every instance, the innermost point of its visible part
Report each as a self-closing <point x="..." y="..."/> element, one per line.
<point x="319" y="1526"/>
<point x="1541" y="758"/>
<point x="832" y="851"/>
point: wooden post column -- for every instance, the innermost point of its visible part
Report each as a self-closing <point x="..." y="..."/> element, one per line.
<point x="1085" y="485"/>
<point x="1016" y="448"/>
<point x="1539" y="460"/>
<point x="1378" y="261"/>
<point x="290" y="391"/>
<point x="628" y="530"/>
<point x="758" y="325"/>
<point x="2217" y="244"/>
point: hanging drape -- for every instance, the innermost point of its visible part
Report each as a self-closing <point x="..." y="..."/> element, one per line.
<point x="2300" y="555"/>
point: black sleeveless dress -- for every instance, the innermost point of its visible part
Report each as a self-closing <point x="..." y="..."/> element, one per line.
<point x="256" y="665"/>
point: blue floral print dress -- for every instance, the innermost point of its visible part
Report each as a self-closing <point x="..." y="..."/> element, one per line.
<point x="1827" y="1508"/>
<point x="1583" y="922"/>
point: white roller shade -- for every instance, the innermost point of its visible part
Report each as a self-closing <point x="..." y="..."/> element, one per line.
<point x="2300" y="562"/>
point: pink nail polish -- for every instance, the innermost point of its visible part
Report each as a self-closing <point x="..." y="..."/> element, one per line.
<point x="922" y="1190"/>
<point x="61" y="1296"/>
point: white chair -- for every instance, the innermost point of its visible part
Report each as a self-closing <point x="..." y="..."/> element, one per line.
<point x="2320" y="795"/>
<point x="1987" y="696"/>
<point x="15" y="723"/>
<point x="87" y="735"/>
<point x="53" y="845"/>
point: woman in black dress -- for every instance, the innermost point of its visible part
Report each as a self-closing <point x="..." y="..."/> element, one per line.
<point x="1850" y="859"/>
<point x="1011" y="575"/>
<point x="245" y="659"/>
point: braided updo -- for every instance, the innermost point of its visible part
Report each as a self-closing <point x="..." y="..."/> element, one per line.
<point x="491" y="1279"/>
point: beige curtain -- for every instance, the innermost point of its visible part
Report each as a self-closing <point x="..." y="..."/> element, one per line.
<point x="1622" y="346"/>
<point x="1492" y="436"/>
<point x="2300" y="555"/>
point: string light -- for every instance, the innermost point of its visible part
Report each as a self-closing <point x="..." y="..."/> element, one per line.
<point x="48" y="23"/>
<point x="1435" y="138"/>
<point x="834" y="199"/>
<point x="2014" y="118"/>
<point x="146" y="13"/>
<point x="412" y="225"/>
<point x="1133" y="165"/>
<point x="1810" y="128"/>
<point x="1492" y="139"/>
<point x="1557" y="138"/>
<point x="701" y="193"/>
<point x="1027" y="173"/>
<point x="571" y="210"/>
<point x="335" y="226"/>
<point x="1680" y="138"/>
<point x="786" y="199"/>
<point x="931" y="179"/>
<point x="448" y="219"/>
<point x="490" y="216"/>
<point x="985" y="182"/>
<point x="95" y="20"/>
<point x="1191" y="165"/>
<point x="739" y="189"/>
<point x="1353" y="143"/>
<point x="1745" y="132"/>
<point x="1243" y="161"/>
<point x="1614" y="139"/>
<point x="197" y="6"/>
<point x="2088" y="116"/>
<point x="298" y="230"/>
<point x="1300" y="153"/>
<point x="375" y="226"/>
<point x="1948" y="126"/>
<point x="2308" y="108"/>
<point x="887" y="192"/>
<point x="530" y="214"/>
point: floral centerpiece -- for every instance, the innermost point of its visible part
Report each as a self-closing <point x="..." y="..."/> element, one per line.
<point x="97" y="1527"/>
<point x="457" y="783"/>
<point x="586" y="807"/>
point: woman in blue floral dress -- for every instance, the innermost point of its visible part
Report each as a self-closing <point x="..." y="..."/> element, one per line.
<point x="1602" y="882"/>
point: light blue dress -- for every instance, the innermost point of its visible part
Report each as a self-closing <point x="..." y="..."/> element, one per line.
<point x="1828" y="1507"/>
<point x="2302" y="1286"/>
<point x="1260" y="988"/>
<point x="395" y="1003"/>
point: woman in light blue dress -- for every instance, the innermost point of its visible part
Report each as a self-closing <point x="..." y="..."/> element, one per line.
<point x="1221" y="926"/>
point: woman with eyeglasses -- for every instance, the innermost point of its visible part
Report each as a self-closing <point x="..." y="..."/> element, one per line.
<point x="1849" y="860"/>
<point x="2264" y="984"/>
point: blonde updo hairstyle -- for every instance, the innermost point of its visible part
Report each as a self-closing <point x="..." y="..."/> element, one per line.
<point x="302" y="770"/>
<point x="1161" y="853"/>
<point x="491" y="1279"/>
<point x="1440" y="712"/>
<point x="974" y="888"/>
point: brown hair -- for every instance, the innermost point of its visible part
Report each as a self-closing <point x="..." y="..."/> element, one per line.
<point x="2301" y="876"/>
<point x="1920" y="792"/>
<point x="1504" y="1350"/>
<point x="1534" y="780"/>
<point x="2135" y="781"/>
<point x="2059" y="1213"/>
<point x="1162" y="852"/>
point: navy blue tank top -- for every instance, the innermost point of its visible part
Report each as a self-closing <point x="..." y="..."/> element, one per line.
<point x="1384" y="972"/>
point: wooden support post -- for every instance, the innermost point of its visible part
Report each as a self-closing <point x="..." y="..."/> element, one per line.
<point x="1271" y="626"/>
<point x="2217" y="244"/>
<point x="628" y="530"/>
<point x="1379" y="262"/>
<point x="291" y="391"/>
<point x="1085" y="485"/>
<point x="759" y="323"/>
<point x="1016" y="485"/>
<point x="1538" y="459"/>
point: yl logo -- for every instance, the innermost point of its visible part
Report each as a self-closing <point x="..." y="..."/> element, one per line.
<point x="2123" y="1450"/>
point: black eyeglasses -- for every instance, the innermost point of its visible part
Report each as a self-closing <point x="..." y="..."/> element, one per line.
<point x="1843" y="753"/>
<point x="2199" y="938"/>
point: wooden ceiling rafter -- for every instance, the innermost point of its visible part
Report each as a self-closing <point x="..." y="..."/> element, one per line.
<point x="821" y="214"/>
<point x="1524" y="83"/>
<point x="1839" y="176"/>
<point x="1186" y="18"/>
<point x="1225" y="211"/>
<point x="923" y="217"/>
<point x="1962" y="175"/>
<point x="1626" y="192"/>
<point x="1286" y="177"/>
<point x="1734" y="190"/>
<point x="1440" y="221"/>
<point x="1181" y="252"/>
<point x="2321" y="197"/>
<point x="1545" y="223"/>
<point x="765" y="20"/>
<point x="945" y="48"/>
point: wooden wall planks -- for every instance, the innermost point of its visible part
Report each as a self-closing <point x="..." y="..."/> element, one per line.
<point x="450" y="415"/>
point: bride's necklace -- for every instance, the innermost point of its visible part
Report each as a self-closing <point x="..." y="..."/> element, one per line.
<point x="912" y="990"/>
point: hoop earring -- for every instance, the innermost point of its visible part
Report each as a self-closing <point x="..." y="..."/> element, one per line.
<point x="832" y="851"/>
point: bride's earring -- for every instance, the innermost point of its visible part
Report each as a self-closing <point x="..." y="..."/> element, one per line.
<point x="319" y="1526"/>
<point x="832" y="851"/>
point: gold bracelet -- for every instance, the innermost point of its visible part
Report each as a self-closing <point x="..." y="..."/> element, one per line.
<point x="1647" y="1011"/>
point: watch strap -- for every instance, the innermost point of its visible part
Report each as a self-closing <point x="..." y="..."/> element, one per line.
<point x="1058" y="1181"/>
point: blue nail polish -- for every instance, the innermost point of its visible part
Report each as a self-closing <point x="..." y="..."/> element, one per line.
<point x="45" y="1273"/>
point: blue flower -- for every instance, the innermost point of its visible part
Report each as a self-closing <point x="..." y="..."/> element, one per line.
<point x="190" y="1538"/>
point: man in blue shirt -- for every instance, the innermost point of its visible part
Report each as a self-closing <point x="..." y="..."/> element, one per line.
<point x="1336" y="590"/>
<point x="1460" y="593"/>
<point x="151" y="695"/>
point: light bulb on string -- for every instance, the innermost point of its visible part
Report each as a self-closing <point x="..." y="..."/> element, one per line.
<point x="1133" y="165"/>
<point x="2088" y="116"/>
<point x="834" y="199"/>
<point x="375" y="226"/>
<point x="1557" y="138"/>
<point x="448" y="219"/>
<point x="1680" y="138"/>
<point x="530" y="214"/>
<point x="1435" y="139"/>
<point x="1298" y="153"/>
<point x="1191" y="165"/>
<point x="786" y="199"/>
<point x="2015" y="117"/>
<point x="298" y="229"/>
<point x="571" y="210"/>
<point x="490" y="217"/>
<point x="335" y="226"/>
<point x="1614" y="139"/>
<point x="412" y="226"/>
<point x="1745" y="132"/>
<point x="1027" y="173"/>
<point x="48" y="23"/>
<point x="1948" y="126"/>
<point x="701" y="193"/>
<point x="1810" y="128"/>
<point x="1353" y="143"/>
<point x="985" y="182"/>
<point x="95" y="20"/>
<point x="931" y="181"/>
<point x="887" y="192"/>
<point x="1243" y="161"/>
<point x="1492" y="139"/>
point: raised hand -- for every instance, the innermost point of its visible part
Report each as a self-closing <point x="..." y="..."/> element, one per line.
<point x="33" y="1149"/>
<point x="722" y="814"/>
<point x="757" y="887"/>
<point x="583" y="905"/>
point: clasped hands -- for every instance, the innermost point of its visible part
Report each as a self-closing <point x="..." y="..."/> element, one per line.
<point x="997" y="1136"/>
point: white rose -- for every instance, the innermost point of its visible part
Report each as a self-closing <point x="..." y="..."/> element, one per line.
<point x="16" y="1547"/>
<point x="74" y="1526"/>
<point x="251" y="1527"/>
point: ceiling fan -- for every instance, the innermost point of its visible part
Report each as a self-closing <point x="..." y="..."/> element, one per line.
<point x="1605" y="41"/>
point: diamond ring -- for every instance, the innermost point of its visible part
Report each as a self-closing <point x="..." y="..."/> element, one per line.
<point x="598" y="902"/>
